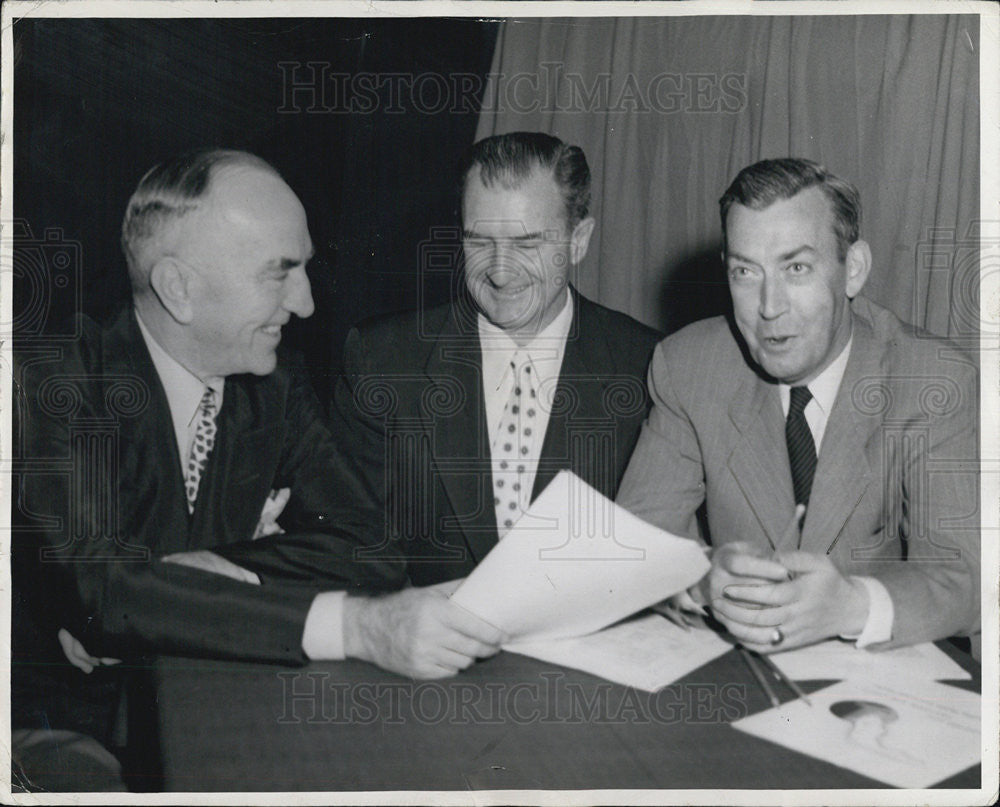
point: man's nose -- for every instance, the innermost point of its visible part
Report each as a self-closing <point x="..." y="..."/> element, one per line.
<point x="298" y="294"/>
<point x="773" y="298"/>
<point x="506" y="264"/>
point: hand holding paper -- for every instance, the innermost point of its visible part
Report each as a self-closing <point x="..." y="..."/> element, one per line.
<point x="417" y="632"/>
<point x="575" y="563"/>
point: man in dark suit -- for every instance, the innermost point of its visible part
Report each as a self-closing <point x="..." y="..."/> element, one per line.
<point x="465" y="412"/>
<point x="816" y="398"/>
<point x="155" y="446"/>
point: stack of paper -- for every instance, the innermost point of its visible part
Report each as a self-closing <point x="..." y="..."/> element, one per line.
<point x="837" y="660"/>
<point x="888" y="719"/>
<point x="645" y="653"/>
<point x="575" y="563"/>
<point x="909" y="735"/>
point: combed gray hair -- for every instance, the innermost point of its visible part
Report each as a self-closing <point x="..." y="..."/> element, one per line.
<point x="166" y="194"/>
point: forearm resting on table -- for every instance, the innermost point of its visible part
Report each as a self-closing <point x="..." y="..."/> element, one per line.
<point x="323" y="634"/>
<point x="210" y="562"/>
<point x="795" y="597"/>
<point x="878" y="622"/>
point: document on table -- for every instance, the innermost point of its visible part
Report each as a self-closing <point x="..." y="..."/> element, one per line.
<point x="648" y="652"/>
<point x="909" y="734"/>
<point x="837" y="660"/>
<point x="575" y="563"/>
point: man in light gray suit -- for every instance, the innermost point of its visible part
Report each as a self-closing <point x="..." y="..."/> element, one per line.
<point x="816" y="401"/>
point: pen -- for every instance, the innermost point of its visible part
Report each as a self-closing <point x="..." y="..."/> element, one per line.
<point x="760" y="677"/>
<point x="794" y="531"/>
<point x="780" y="676"/>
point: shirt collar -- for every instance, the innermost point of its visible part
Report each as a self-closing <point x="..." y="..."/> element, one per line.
<point x="825" y="386"/>
<point x="545" y="351"/>
<point x="183" y="388"/>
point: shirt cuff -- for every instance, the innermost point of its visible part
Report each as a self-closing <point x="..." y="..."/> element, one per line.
<point x="323" y="635"/>
<point x="878" y="625"/>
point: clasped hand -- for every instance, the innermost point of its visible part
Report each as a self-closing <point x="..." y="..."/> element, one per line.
<point x="418" y="632"/>
<point x="801" y="593"/>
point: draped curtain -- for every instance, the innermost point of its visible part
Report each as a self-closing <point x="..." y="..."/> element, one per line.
<point x="669" y="109"/>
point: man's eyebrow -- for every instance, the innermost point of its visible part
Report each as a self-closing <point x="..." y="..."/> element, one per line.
<point x="286" y="264"/>
<point x="798" y="250"/>
<point x="735" y="256"/>
<point x="526" y="237"/>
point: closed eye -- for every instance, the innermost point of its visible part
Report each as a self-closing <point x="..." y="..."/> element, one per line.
<point x="529" y="243"/>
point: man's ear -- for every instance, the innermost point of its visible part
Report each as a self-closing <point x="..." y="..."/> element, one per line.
<point x="173" y="283"/>
<point x="858" y="263"/>
<point x="580" y="239"/>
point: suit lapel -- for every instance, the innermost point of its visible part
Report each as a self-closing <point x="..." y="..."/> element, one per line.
<point x="843" y="472"/>
<point x="150" y="468"/>
<point x="460" y="447"/>
<point x="760" y="459"/>
<point x="234" y="480"/>
<point x="586" y="366"/>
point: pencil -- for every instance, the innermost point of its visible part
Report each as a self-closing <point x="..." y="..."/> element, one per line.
<point x="776" y="671"/>
<point x="760" y="677"/>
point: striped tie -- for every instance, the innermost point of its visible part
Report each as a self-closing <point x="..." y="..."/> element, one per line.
<point x="801" y="448"/>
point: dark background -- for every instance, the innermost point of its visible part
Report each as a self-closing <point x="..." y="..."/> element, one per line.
<point x="97" y="102"/>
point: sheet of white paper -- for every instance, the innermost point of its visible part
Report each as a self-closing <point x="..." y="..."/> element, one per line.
<point x="837" y="660"/>
<point x="645" y="653"/>
<point x="575" y="563"/>
<point x="908" y="734"/>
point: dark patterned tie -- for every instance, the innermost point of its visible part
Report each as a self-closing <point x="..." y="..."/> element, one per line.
<point x="801" y="448"/>
<point x="201" y="446"/>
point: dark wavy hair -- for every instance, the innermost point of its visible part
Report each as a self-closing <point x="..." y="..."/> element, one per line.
<point x="508" y="159"/>
<point x="759" y="185"/>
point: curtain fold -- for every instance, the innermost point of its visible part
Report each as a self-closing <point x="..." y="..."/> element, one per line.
<point x="669" y="109"/>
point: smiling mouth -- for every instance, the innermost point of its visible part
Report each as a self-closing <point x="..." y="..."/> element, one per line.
<point x="509" y="291"/>
<point x="272" y="330"/>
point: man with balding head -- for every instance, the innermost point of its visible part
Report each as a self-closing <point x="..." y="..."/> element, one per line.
<point x="173" y="438"/>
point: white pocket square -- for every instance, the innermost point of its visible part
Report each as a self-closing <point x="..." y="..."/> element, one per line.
<point x="268" y="522"/>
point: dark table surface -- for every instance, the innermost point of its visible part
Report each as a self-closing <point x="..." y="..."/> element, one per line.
<point x="509" y="722"/>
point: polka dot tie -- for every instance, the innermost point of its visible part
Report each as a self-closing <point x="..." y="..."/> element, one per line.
<point x="514" y="451"/>
<point x="201" y="446"/>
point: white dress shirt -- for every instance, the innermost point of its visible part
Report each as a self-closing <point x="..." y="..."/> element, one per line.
<point x="824" y="388"/>
<point x="184" y="391"/>
<point x="544" y="354"/>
